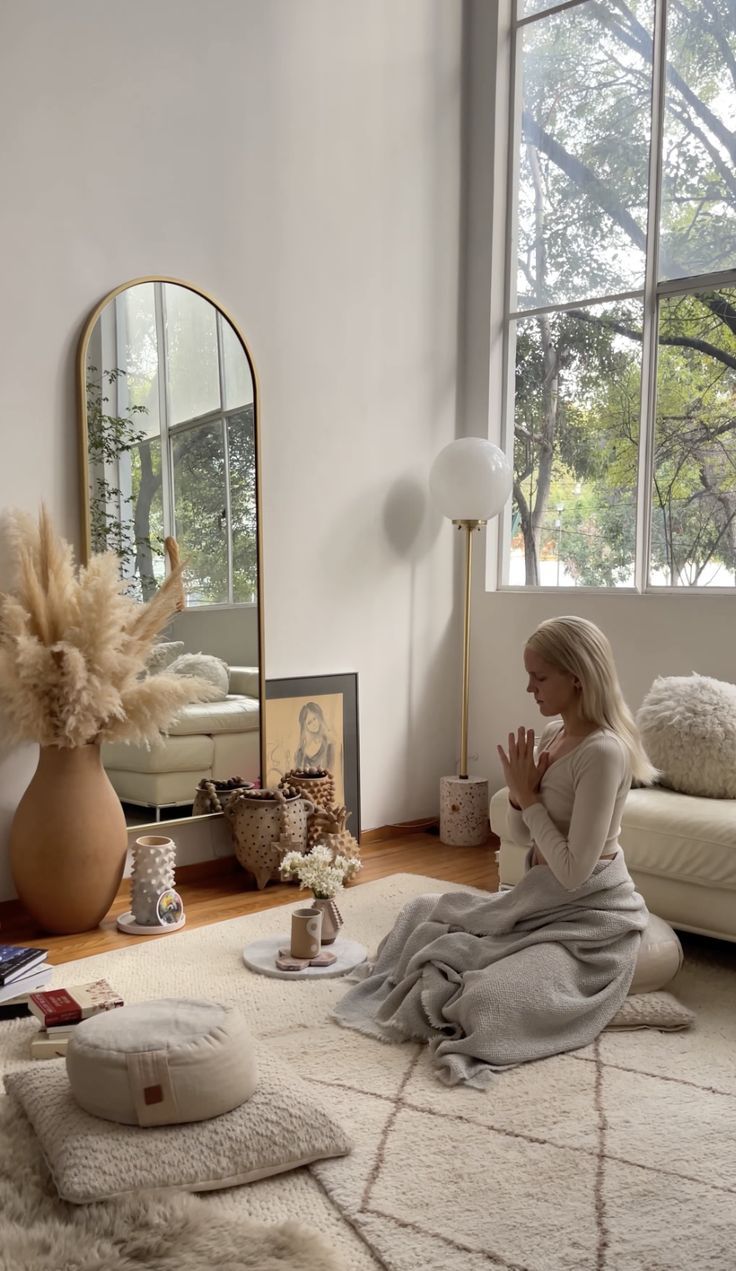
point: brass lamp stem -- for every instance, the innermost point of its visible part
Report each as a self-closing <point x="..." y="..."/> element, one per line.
<point x="468" y="526"/>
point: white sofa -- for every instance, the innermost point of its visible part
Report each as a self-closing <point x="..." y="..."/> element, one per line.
<point x="680" y="851"/>
<point x="207" y="739"/>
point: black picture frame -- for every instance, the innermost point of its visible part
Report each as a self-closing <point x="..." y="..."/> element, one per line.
<point x="312" y="688"/>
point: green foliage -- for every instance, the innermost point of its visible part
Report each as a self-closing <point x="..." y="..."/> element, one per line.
<point x="201" y="507"/>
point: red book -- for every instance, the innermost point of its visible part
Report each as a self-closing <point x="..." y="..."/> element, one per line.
<point x="71" y="1006"/>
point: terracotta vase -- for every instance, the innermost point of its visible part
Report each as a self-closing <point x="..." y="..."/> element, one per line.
<point x="68" y="841"/>
<point x="331" y="919"/>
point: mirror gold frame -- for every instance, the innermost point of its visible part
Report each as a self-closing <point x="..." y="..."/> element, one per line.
<point x="84" y="476"/>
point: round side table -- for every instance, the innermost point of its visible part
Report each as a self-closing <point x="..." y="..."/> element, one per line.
<point x="260" y="956"/>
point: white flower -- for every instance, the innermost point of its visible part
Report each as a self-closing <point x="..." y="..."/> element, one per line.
<point x="318" y="871"/>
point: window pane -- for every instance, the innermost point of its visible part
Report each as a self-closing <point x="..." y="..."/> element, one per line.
<point x="583" y="170"/>
<point x="241" y="446"/>
<point x="576" y="429"/>
<point x="191" y="349"/>
<point x="138" y="356"/>
<point x="694" y="486"/>
<point x="238" y="379"/>
<point x="200" y="505"/>
<point x="698" y="225"/>
<point x="528" y="7"/>
<point x="149" y="566"/>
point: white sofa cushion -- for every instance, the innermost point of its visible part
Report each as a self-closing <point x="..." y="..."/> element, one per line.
<point x="245" y="680"/>
<point x="682" y="836"/>
<point x="175" y="754"/>
<point x="679" y="836"/>
<point x="233" y="715"/>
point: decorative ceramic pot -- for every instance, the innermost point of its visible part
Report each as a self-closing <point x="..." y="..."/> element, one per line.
<point x="264" y="829"/>
<point x="212" y="796"/>
<point x="68" y="841"/>
<point x="331" y="919"/>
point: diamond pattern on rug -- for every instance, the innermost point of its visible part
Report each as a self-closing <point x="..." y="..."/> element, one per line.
<point x="611" y="1158"/>
<point x="571" y="1164"/>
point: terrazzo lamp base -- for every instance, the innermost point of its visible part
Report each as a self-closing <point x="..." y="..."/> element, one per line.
<point x="464" y="811"/>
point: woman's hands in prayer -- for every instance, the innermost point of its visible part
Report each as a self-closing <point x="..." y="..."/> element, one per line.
<point x="522" y="772"/>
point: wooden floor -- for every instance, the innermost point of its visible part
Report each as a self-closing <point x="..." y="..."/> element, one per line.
<point x="216" y="890"/>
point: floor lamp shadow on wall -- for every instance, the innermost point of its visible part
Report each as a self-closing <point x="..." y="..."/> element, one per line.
<point x="470" y="481"/>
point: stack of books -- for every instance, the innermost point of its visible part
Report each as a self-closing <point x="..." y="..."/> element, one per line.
<point x="21" y="971"/>
<point x="60" y="1010"/>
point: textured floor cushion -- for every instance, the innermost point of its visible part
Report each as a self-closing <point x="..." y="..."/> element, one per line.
<point x="659" y="957"/>
<point x="280" y="1128"/>
<point x="162" y="1062"/>
<point x="653" y="1010"/>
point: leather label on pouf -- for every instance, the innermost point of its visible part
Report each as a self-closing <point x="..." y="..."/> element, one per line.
<point x="151" y="1089"/>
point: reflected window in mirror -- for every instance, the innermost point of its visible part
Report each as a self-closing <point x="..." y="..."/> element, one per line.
<point x="171" y="444"/>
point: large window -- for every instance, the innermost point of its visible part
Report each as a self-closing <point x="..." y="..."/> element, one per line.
<point x="620" y="312"/>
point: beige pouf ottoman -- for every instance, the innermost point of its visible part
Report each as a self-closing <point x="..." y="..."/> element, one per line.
<point x="659" y="958"/>
<point x="162" y="1063"/>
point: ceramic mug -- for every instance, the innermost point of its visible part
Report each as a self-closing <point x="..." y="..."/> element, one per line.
<point x="306" y="933"/>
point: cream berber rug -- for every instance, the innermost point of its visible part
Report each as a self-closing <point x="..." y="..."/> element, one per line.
<point x="618" y="1157"/>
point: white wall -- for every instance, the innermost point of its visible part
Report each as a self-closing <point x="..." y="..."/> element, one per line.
<point x="229" y="633"/>
<point x="651" y="635"/>
<point x="299" y="159"/>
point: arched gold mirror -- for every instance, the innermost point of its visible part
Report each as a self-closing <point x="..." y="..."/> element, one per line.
<point x="169" y="436"/>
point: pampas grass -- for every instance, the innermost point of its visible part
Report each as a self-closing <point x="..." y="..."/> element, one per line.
<point x="74" y="647"/>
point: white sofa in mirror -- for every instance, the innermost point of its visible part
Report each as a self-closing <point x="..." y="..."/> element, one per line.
<point x="213" y="740"/>
<point x="169" y="431"/>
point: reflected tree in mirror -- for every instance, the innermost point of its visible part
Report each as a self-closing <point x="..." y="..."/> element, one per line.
<point x="118" y="450"/>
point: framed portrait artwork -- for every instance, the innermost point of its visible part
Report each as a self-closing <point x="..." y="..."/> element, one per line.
<point x="312" y="722"/>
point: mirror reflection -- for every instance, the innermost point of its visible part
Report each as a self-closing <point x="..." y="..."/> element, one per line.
<point x="170" y="446"/>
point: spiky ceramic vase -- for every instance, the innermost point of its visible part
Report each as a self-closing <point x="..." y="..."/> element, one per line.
<point x="330" y="825"/>
<point x="316" y="784"/>
<point x="152" y="873"/>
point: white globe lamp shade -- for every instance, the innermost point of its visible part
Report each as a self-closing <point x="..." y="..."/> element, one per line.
<point x="470" y="480"/>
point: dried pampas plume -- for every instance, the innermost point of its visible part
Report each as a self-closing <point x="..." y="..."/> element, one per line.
<point x="74" y="647"/>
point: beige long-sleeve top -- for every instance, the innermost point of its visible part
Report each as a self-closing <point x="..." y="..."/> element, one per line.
<point x="583" y="795"/>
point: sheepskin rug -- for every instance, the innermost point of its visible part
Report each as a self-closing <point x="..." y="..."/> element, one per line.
<point x="688" y="725"/>
<point x="39" y="1232"/>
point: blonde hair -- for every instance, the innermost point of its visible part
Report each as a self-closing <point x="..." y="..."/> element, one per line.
<point x="580" y="648"/>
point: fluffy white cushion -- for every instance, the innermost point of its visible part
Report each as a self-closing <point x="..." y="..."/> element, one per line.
<point x="688" y="725"/>
<point x="163" y="1062"/>
<point x="206" y="667"/>
<point x="162" y="655"/>
<point x="282" y="1127"/>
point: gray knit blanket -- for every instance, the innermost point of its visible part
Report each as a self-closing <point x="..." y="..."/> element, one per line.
<point x="492" y="981"/>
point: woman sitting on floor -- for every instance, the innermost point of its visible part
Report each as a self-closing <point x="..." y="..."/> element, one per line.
<point x="491" y="981"/>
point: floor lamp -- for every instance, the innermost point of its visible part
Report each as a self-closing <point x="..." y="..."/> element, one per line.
<point x="470" y="482"/>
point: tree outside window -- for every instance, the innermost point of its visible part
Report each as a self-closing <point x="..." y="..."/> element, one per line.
<point x="622" y="317"/>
